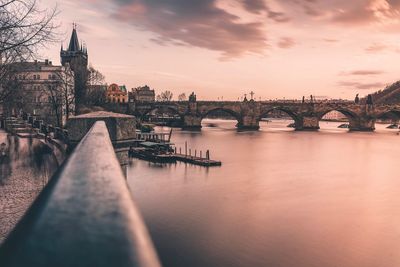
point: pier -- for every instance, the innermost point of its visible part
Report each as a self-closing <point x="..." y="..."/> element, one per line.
<point x="162" y="153"/>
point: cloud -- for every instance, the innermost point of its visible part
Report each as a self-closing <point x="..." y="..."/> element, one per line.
<point x="361" y="86"/>
<point x="366" y="11"/>
<point x="255" y="6"/>
<point x="235" y="28"/>
<point x="286" y="42"/>
<point x="198" y="23"/>
<point x="328" y="40"/>
<point x="377" y="47"/>
<point x="363" y="72"/>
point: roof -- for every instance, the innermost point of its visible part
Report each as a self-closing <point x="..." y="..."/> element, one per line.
<point x="74" y="43"/>
<point x="34" y="66"/>
<point x="122" y="88"/>
<point x="103" y="114"/>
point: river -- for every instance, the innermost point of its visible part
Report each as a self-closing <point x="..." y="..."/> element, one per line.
<point x="281" y="198"/>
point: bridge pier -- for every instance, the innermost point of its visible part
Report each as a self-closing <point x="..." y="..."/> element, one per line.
<point x="362" y="124"/>
<point x="191" y="122"/>
<point x="307" y="123"/>
<point x="249" y="123"/>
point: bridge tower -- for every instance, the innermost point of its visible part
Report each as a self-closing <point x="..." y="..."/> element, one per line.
<point x="76" y="57"/>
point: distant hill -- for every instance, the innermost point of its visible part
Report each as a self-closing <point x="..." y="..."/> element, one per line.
<point x="389" y="95"/>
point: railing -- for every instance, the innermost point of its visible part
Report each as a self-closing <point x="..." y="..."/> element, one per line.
<point x="85" y="216"/>
<point x="44" y="129"/>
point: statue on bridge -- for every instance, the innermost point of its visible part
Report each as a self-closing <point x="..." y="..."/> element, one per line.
<point x="369" y="100"/>
<point x="192" y="97"/>
<point x="357" y="99"/>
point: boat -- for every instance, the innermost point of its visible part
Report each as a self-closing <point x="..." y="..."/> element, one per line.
<point x="155" y="152"/>
<point x="393" y="126"/>
<point x="344" y="126"/>
<point x="211" y="125"/>
<point x="292" y="125"/>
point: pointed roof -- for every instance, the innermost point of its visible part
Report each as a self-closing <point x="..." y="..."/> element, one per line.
<point x="74" y="43"/>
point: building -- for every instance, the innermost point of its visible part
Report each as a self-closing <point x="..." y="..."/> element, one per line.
<point x="116" y="94"/>
<point x="77" y="57"/>
<point x="142" y="94"/>
<point x="43" y="89"/>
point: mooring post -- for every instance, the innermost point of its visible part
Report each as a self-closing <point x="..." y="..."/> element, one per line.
<point x="201" y="154"/>
<point x="180" y="151"/>
<point x="208" y="154"/>
<point x="190" y="152"/>
<point x="185" y="148"/>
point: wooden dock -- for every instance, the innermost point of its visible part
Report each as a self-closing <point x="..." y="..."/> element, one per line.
<point x="143" y="154"/>
<point x="197" y="160"/>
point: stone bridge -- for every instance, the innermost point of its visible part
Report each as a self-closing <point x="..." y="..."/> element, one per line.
<point x="306" y="116"/>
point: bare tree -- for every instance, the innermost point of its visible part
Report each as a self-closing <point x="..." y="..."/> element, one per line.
<point x="182" y="97"/>
<point x="95" y="77"/>
<point x="24" y="28"/>
<point x="96" y="87"/>
<point x="61" y="95"/>
<point x="165" y="96"/>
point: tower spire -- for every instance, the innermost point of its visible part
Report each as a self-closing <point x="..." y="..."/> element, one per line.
<point x="74" y="42"/>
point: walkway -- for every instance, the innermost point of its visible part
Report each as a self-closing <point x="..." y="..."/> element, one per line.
<point x="24" y="171"/>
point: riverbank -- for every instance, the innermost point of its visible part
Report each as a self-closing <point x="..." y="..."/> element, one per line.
<point x="24" y="171"/>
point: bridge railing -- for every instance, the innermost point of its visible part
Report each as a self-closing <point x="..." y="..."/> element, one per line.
<point x="85" y="216"/>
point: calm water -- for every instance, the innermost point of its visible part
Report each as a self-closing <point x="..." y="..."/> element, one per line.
<point x="281" y="198"/>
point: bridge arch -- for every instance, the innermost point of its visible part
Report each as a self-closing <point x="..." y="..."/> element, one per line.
<point x="392" y="113"/>
<point x="350" y="115"/>
<point x="289" y="112"/>
<point x="174" y="118"/>
<point x="173" y="110"/>
<point x="295" y="117"/>
<point x="232" y="113"/>
<point x="356" y="121"/>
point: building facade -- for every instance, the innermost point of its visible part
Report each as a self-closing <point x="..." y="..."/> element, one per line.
<point x="116" y="94"/>
<point x="76" y="56"/>
<point x="142" y="94"/>
<point x="44" y="90"/>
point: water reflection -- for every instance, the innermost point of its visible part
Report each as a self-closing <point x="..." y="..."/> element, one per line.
<point x="20" y="155"/>
<point x="25" y="167"/>
<point x="281" y="198"/>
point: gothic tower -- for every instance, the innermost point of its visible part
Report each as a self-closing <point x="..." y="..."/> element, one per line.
<point x="77" y="58"/>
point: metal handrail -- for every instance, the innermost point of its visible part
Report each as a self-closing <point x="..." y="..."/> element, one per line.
<point x="85" y="216"/>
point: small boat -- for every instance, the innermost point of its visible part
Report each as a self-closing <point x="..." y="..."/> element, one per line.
<point x="292" y="125"/>
<point x="151" y="151"/>
<point x="393" y="126"/>
<point x="212" y="125"/>
<point x="344" y="126"/>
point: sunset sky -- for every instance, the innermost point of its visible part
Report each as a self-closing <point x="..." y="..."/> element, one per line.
<point x="276" y="48"/>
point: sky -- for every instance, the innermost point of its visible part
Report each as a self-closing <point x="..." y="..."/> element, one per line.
<point x="223" y="49"/>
